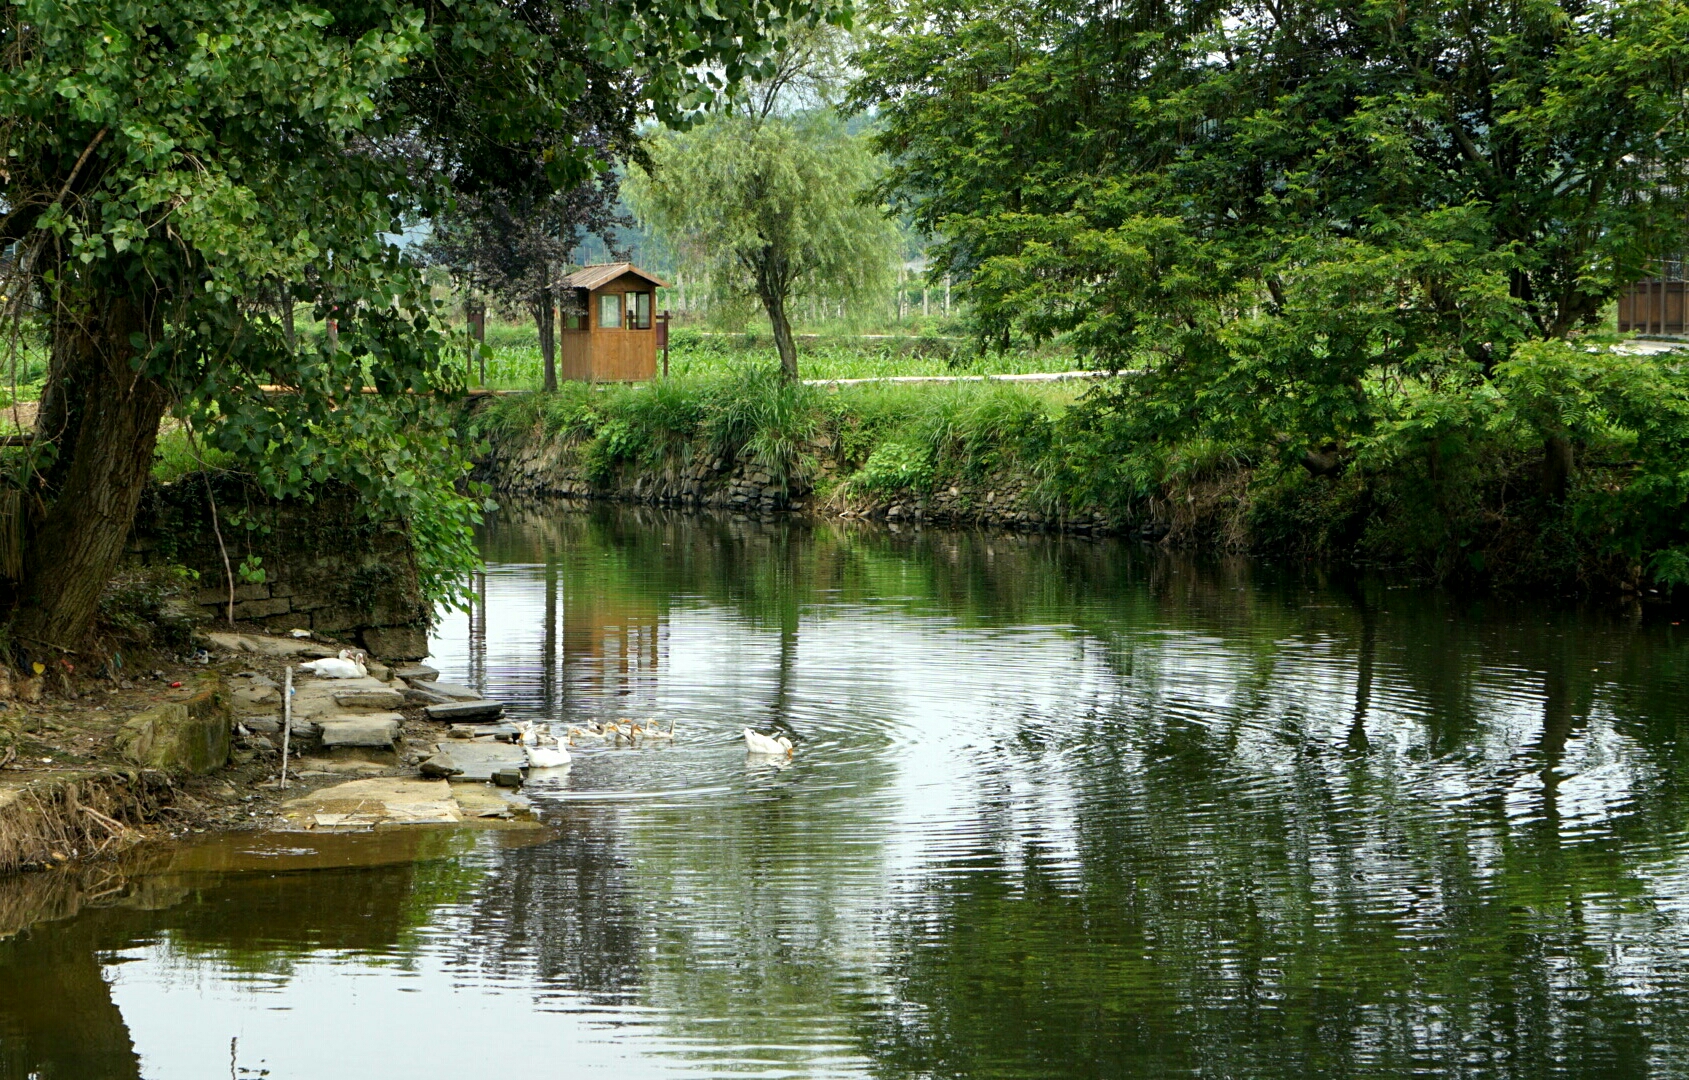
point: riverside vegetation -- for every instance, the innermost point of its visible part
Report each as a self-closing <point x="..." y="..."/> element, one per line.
<point x="1449" y="485"/>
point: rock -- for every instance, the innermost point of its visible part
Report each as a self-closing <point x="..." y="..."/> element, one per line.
<point x="191" y="736"/>
<point x="466" y="710"/>
<point x="480" y="760"/>
<point x="378" y="801"/>
<point x="452" y="691"/>
<point x="262" y="725"/>
<point x="265" y="645"/>
<point x="511" y="778"/>
<point x="249" y="696"/>
<point x="378" y="670"/>
<point x="440" y="766"/>
<point x="396" y="642"/>
<point x="369" y="700"/>
<point x="412" y="673"/>
<point x="420" y="693"/>
<point x="503" y="732"/>
<point x="378" y="730"/>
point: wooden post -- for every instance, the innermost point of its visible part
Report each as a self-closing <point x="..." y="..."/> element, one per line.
<point x="663" y="339"/>
<point x="287" y="722"/>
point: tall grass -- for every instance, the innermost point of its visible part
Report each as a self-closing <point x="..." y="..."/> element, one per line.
<point x="885" y="437"/>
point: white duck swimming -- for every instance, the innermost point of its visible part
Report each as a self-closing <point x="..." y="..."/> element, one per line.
<point x="758" y="743"/>
<point x="348" y="665"/>
<point x="547" y="757"/>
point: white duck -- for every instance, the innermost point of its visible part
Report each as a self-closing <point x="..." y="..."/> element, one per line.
<point x="758" y="743"/>
<point x="348" y="665"/>
<point x="547" y="757"/>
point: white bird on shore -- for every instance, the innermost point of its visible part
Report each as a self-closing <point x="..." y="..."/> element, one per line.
<point x="348" y="665"/>
<point x="546" y="757"/>
<point x="758" y="743"/>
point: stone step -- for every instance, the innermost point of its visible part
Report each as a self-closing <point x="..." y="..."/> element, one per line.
<point x="459" y="711"/>
<point x="481" y="760"/>
<point x="369" y="700"/>
<point x="450" y="690"/>
<point x="420" y="672"/>
<point x="378" y="730"/>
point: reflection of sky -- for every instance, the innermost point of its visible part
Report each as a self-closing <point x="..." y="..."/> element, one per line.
<point x="756" y="900"/>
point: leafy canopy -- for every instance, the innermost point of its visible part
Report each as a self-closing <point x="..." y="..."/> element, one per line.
<point x="1265" y="207"/>
<point x="177" y="173"/>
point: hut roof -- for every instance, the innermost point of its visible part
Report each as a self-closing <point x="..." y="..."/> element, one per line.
<point x="591" y="277"/>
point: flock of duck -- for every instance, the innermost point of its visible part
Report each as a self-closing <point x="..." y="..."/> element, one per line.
<point x="546" y="751"/>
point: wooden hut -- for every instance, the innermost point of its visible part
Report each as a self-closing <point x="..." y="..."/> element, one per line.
<point x="1659" y="305"/>
<point x="609" y="324"/>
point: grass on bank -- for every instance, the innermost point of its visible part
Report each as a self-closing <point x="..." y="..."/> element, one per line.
<point x="1446" y="482"/>
<point x="885" y="437"/>
<point x="515" y="363"/>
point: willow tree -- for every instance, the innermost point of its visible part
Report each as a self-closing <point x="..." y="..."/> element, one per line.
<point x="773" y="191"/>
<point x="172" y="164"/>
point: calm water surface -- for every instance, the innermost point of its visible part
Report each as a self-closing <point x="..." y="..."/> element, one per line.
<point x="1059" y="808"/>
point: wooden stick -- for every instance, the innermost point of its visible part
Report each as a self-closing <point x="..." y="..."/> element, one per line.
<point x="287" y="722"/>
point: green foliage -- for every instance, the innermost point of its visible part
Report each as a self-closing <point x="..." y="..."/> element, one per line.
<point x="181" y="173"/>
<point x="774" y="204"/>
<point x="895" y="467"/>
<point x="1280" y="213"/>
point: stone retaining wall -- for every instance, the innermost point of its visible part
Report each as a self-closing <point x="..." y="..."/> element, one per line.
<point x="324" y="566"/>
<point x="536" y="466"/>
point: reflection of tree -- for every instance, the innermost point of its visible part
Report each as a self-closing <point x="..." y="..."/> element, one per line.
<point x="563" y="910"/>
<point x="57" y="1017"/>
<point x="760" y="912"/>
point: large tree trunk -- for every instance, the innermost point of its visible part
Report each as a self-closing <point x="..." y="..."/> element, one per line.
<point x="783" y="343"/>
<point x="103" y="418"/>
<point x="545" y="319"/>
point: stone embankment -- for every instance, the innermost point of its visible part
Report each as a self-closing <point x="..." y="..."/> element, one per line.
<point x="315" y="564"/>
<point x="539" y="467"/>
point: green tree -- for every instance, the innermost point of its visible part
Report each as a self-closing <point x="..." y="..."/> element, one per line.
<point x="169" y="161"/>
<point x="772" y="191"/>
<point x="1282" y="213"/>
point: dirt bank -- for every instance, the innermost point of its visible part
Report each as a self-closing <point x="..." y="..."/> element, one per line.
<point x="75" y="785"/>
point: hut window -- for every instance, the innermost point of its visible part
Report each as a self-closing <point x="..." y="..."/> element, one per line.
<point x="639" y="310"/>
<point x="609" y="311"/>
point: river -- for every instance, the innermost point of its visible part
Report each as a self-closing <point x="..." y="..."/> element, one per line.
<point x="1059" y="807"/>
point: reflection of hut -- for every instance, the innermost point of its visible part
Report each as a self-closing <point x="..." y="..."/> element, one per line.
<point x="611" y="644"/>
<point x="609" y="329"/>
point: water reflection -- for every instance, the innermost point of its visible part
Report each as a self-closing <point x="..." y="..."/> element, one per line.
<point x="1060" y="808"/>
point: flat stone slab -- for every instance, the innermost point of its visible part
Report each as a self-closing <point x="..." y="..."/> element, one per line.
<point x="366" y="804"/>
<point x="385" y="699"/>
<point x="265" y="645"/>
<point x="452" y="690"/>
<point x="503" y="731"/>
<point x="462" y="711"/>
<point x="480" y="760"/>
<point x="418" y="691"/>
<point x="416" y="672"/>
<point x="317" y="699"/>
<point x="378" y="730"/>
